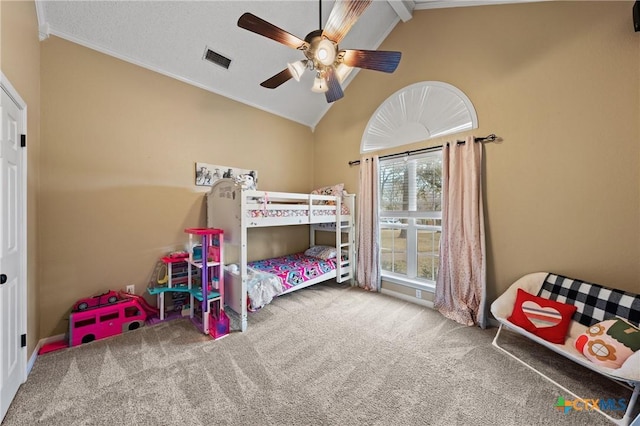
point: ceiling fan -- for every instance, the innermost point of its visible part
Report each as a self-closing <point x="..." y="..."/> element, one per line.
<point x="320" y="47"/>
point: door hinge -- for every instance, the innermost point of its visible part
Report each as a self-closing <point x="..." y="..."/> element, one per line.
<point x="23" y="140"/>
<point x="23" y="340"/>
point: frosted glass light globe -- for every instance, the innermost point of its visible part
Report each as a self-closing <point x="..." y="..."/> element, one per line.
<point x="326" y="52"/>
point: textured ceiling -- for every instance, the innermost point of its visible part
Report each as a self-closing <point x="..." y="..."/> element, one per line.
<point x="170" y="37"/>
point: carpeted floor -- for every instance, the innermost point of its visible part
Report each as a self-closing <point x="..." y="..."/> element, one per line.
<point x="326" y="355"/>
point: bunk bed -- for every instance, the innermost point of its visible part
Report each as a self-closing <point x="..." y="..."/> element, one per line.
<point x="235" y="210"/>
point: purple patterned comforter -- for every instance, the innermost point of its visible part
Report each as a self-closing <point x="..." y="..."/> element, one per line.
<point x="294" y="269"/>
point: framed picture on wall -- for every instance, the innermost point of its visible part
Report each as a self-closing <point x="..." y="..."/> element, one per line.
<point x="207" y="174"/>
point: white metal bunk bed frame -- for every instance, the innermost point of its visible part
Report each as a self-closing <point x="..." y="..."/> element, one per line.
<point x="235" y="210"/>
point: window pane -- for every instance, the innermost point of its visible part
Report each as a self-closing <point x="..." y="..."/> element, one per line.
<point x="429" y="222"/>
<point x="393" y="250"/>
<point x="414" y="184"/>
<point x="429" y="184"/>
<point x="427" y="255"/>
<point x="410" y="205"/>
<point x="394" y="194"/>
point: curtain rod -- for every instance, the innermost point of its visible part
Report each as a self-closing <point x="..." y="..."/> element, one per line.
<point x="491" y="138"/>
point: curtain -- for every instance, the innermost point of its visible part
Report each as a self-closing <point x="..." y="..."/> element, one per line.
<point x="461" y="283"/>
<point x="368" y="271"/>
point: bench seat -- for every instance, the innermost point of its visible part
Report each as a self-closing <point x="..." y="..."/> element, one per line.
<point x="629" y="371"/>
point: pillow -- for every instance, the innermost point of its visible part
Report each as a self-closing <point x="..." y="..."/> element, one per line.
<point x="334" y="190"/>
<point x="321" y="252"/>
<point x="609" y="343"/>
<point x="545" y="318"/>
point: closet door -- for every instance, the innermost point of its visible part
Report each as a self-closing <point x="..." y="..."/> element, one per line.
<point x="12" y="292"/>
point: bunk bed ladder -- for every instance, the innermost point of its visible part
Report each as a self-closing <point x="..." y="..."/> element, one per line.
<point x="346" y="247"/>
<point x="339" y="262"/>
<point x="345" y="268"/>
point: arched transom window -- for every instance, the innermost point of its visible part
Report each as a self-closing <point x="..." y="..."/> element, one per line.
<point x="418" y="112"/>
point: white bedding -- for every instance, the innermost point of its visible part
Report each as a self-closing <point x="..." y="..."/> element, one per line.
<point x="261" y="287"/>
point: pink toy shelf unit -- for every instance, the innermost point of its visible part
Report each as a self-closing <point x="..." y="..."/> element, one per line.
<point x="206" y="254"/>
<point x="203" y="282"/>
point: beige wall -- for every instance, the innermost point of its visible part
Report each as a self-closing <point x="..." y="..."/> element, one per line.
<point x="20" y="63"/>
<point x="559" y="82"/>
<point x="118" y="157"/>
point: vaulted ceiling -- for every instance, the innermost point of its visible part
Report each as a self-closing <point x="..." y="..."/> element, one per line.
<point x="171" y="37"/>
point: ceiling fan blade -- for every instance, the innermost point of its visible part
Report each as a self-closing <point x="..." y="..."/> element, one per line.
<point x="343" y="15"/>
<point x="378" y="60"/>
<point x="275" y="81"/>
<point x="251" y="22"/>
<point x="334" y="91"/>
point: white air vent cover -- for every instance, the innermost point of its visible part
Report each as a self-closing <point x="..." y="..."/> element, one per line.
<point x="418" y="112"/>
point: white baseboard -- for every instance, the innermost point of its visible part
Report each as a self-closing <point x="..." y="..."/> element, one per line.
<point x="32" y="360"/>
<point x="407" y="298"/>
<point x="41" y="343"/>
<point x="491" y="322"/>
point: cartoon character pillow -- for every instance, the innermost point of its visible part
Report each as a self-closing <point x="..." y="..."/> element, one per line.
<point x="609" y="343"/>
<point x="333" y="190"/>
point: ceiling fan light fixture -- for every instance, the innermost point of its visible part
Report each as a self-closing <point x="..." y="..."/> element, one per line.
<point x="342" y="71"/>
<point x="319" y="85"/>
<point x="297" y="69"/>
<point x="330" y="65"/>
<point x="325" y="52"/>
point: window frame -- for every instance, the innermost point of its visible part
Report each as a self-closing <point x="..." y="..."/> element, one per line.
<point x="412" y="216"/>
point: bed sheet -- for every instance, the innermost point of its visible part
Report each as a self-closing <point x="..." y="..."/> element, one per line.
<point x="294" y="269"/>
<point x="262" y="212"/>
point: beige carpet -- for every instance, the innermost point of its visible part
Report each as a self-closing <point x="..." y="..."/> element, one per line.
<point x="329" y="354"/>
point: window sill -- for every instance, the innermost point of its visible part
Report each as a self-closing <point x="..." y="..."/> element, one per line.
<point x="408" y="282"/>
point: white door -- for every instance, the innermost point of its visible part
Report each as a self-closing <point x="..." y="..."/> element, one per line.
<point x="12" y="282"/>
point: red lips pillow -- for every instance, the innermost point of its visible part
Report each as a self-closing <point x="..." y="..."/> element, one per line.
<point x="545" y="318"/>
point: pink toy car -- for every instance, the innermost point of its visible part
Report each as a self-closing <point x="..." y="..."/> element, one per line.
<point x="107" y="298"/>
<point x="105" y="321"/>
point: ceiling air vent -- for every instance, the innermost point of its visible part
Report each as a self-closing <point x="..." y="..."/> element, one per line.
<point x="217" y="58"/>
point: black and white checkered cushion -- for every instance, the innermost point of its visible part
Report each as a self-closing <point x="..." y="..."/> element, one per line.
<point x="595" y="303"/>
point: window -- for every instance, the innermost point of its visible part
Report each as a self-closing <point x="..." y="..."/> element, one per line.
<point x="411" y="218"/>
